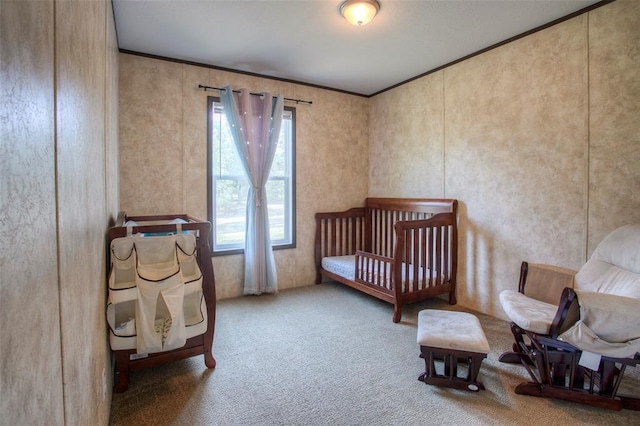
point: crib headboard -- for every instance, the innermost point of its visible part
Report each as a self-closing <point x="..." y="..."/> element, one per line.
<point x="382" y="214"/>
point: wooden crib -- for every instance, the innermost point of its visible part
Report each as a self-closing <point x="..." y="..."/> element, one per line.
<point x="126" y="358"/>
<point x="400" y="250"/>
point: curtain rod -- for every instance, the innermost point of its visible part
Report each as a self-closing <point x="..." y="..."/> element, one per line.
<point x="297" y="101"/>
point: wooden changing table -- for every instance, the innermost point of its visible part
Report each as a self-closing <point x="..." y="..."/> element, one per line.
<point x="126" y="360"/>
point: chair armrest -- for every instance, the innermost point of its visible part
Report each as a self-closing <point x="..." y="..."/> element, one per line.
<point x="545" y="282"/>
<point x="567" y="315"/>
<point x="608" y="324"/>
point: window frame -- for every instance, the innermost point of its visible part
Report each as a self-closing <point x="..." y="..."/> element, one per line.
<point x="211" y="101"/>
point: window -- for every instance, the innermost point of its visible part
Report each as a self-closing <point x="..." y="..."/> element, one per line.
<point x="228" y="187"/>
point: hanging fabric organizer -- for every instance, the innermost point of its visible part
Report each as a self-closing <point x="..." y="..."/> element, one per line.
<point x="161" y="302"/>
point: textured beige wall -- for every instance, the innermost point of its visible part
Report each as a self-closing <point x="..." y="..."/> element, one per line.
<point x="538" y="140"/>
<point x="59" y="193"/>
<point x="111" y="117"/>
<point x="614" y="118"/>
<point x="31" y="373"/>
<point x="414" y="131"/>
<point x="163" y="167"/>
<point x="84" y="188"/>
<point x="516" y="135"/>
<point x="150" y="120"/>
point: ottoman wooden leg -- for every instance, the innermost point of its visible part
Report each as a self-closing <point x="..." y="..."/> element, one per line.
<point x="451" y="359"/>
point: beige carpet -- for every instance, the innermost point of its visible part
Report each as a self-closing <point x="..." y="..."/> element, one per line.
<point x="328" y="355"/>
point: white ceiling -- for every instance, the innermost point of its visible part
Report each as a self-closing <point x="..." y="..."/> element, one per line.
<point x="308" y="40"/>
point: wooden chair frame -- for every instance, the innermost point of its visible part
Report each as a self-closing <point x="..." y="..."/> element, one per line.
<point x="555" y="370"/>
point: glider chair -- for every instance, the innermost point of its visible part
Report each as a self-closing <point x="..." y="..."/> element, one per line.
<point x="577" y="347"/>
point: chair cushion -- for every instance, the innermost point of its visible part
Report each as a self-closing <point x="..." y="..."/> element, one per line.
<point x="609" y="325"/>
<point x="614" y="266"/>
<point x="602" y="277"/>
<point x="455" y="330"/>
<point x="620" y="248"/>
<point x="529" y="314"/>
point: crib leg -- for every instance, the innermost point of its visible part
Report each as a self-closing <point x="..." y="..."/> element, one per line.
<point x="209" y="360"/>
<point x="122" y="371"/>
<point x="397" y="312"/>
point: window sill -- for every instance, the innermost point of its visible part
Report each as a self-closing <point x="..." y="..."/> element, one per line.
<point x="241" y="251"/>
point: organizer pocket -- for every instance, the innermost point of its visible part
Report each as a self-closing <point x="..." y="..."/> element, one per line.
<point x="122" y="274"/>
<point x="160" y="297"/>
<point x="155" y="291"/>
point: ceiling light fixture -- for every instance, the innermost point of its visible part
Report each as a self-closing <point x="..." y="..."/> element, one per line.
<point x="359" y="12"/>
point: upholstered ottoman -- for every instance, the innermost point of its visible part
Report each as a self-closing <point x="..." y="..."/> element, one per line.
<point x="453" y="338"/>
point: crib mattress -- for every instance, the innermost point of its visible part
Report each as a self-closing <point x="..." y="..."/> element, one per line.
<point x="345" y="267"/>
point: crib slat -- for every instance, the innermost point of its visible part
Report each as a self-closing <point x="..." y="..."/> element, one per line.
<point x="430" y="265"/>
<point x="445" y="268"/>
<point x="342" y="237"/>
<point x="354" y="235"/>
<point x="374" y="232"/>
<point x="388" y="219"/>
<point x="380" y="225"/>
<point x="438" y="276"/>
<point x="381" y="220"/>
<point x="394" y="216"/>
<point x="362" y="229"/>
<point x="339" y="236"/>
<point x="423" y="261"/>
<point x="325" y="234"/>
<point x="384" y="235"/>
<point x="407" y="248"/>
<point x="383" y="217"/>
<point x="415" y="234"/>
